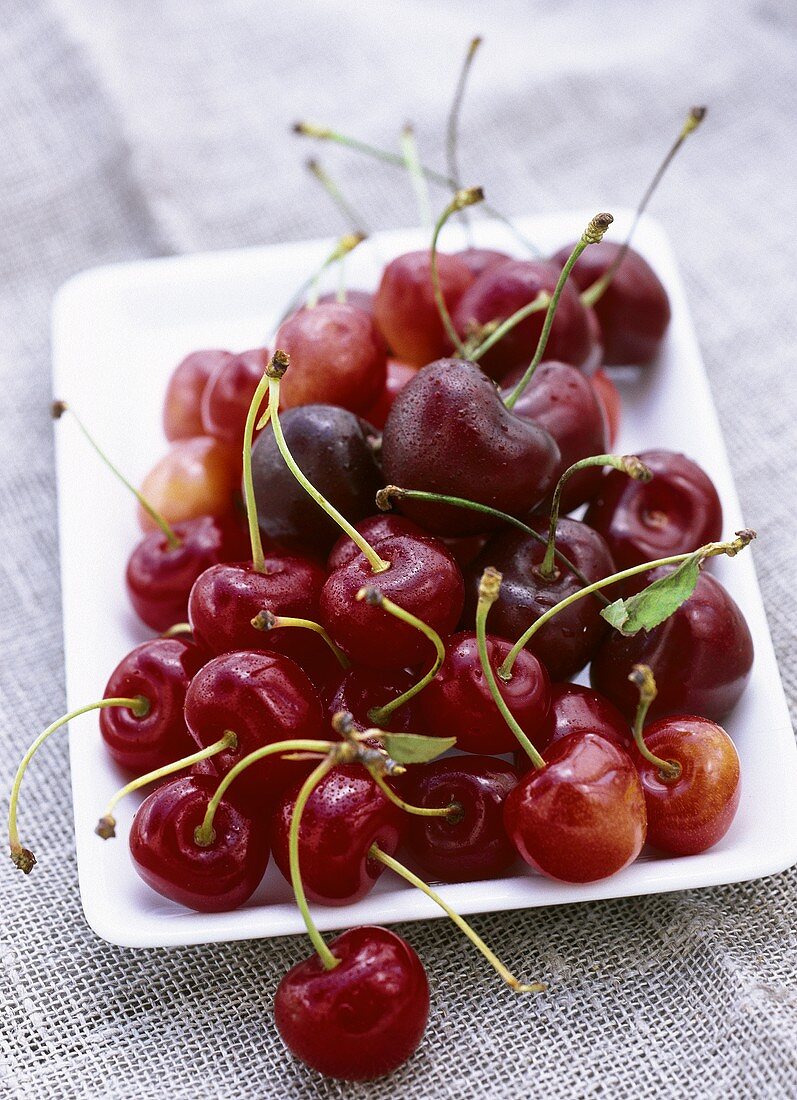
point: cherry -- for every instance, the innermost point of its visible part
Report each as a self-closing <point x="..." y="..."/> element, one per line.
<point x="360" y="690"/>
<point x="210" y="878"/>
<point x="611" y="403"/>
<point x="576" y="709"/>
<point x="581" y="817"/>
<point x="457" y="703"/>
<point x="472" y="843"/>
<point x="363" y="1018"/>
<point x="448" y="432"/>
<point x="405" y="307"/>
<point x="182" y="405"/>
<point x="374" y="529"/>
<point x="345" y="814"/>
<point x="398" y="375"/>
<point x="196" y="477"/>
<point x="228" y="395"/>
<point x="674" y="513"/>
<point x="335" y="450"/>
<point x="362" y="299"/>
<point x="480" y="260"/>
<point x="337" y="357"/>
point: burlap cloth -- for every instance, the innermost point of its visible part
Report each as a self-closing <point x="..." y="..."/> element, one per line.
<point x="135" y="128"/>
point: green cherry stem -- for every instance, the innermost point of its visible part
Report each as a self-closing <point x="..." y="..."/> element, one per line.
<point x="23" y="858"/>
<point x="409" y="149"/>
<point x="274" y="372"/>
<point x="541" y="302"/>
<point x="106" y="827"/>
<point x="351" y="215"/>
<point x="405" y="873"/>
<point x="453" y="810"/>
<point x="255" y="538"/>
<point x="58" y="410"/>
<point x="489" y="587"/>
<point x="265" y="620"/>
<point x="462" y="199"/>
<point x="344" y="246"/>
<point x="642" y="677"/>
<point x="177" y="630"/>
<point x="591" y="235"/>
<point x="628" y="464"/>
<point x="374" y="598"/>
<point x="452" y="126"/>
<point x="327" y="958"/>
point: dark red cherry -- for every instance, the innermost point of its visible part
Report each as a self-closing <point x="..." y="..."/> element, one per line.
<point x="362" y="299"/>
<point x="674" y="513"/>
<point x="182" y="405"/>
<point x="457" y="703"/>
<point x="701" y="656"/>
<point x="213" y="878"/>
<point x="423" y="579"/>
<point x="160" y="670"/>
<point x="472" y="844"/>
<point x="611" y="403"/>
<point x="344" y="816"/>
<point x="398" y="375"/>
<point x="364" y="1018"/>
<point x="449" y="432"/>
<point x="263" y="698"/>
<point x="582" y="817"/>
<point x="228" y="395"/>
<point x="634" y="311"/>
<point x="335" y="450"/>
<point x="505" y="288"/>
<point x="405" y="307"/>
<point x="479" y="260"/>
<point x="373" y="529"/>
<point x="159" y="577"/>
<point x="567" y="642"/>
<point x="359" y="690"/>
<point x="693" y="810"/>
<point x="577" y="710"/>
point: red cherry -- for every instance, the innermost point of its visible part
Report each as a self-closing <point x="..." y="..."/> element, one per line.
<point x="373" y="529"/>
<point x="362" y="1019"/>
<point x="213" y="878"/>
<point x="362" y="299"/>
<point x="359" y="690"/>
<point x="480" y="260"/>
<point x="182" y="405"/>
<point x="582" y="817"/>
<point x="344" y="816"/>
<point x="228" y="395"/>
<point x="675" y="512"/>
<point x="398" y="375"/>
<point x="576" y="709"/>
<point x="611" y="403"/>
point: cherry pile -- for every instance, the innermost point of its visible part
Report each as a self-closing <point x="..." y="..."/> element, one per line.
<point x="399" y="530"/>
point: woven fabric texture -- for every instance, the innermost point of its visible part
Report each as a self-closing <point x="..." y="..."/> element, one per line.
<point x="136" y="129"/>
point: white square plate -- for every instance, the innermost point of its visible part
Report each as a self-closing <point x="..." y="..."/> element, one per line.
<point x="118" y="331"/>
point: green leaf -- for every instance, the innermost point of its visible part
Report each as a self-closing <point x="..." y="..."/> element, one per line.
<point x="650" y="607"/>
<point x="415" y="748"/>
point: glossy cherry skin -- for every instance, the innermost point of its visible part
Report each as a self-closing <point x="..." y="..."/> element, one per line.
<point x="562" y="400"/>
<point x="263" y="698"/>
<point x="336" y="451"/>
<point x="675" y="512"/>
<point x="228" y="395"/>
<point x="577" y="710"/>
<point x="337" y="357"/>
<point x="344" y="816"/>
<point x="160" y="670"/>
<point x="634" y="311"/>
<point x="373" y="529"/>
<point x="196" y="477"/>
<point x="211" y="879"/>
<point x="505" y="288"/>
<point x="582" y="817"/>
<point x="159" y="577"/>
<point x="362" y="1019"/>
<point x="694" y="811"/>
<point x="701" y="656"/>
<point x="398" y="375"/>
<point x="611" y="403"/>
<point x="423" y="579"/>
<point x="567" y="642"/>
<point x="457" y="703"/>
<point x="359" y="690"/>
<point x="449" y="432"/>
<point x="479" y="260"/>
<point x="473" y="845"/>
<point x="405" y="307"/>
<point x="182" y="405"/>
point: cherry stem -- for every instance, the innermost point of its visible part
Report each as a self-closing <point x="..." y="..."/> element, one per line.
<point x="255" y="538"/>
<point x="327" y="958"/>
<point x="541" y="302"/>
<point x="405" y="873"/>
<point x="324" y="133"/>
<point x="462" y="199"/>
<point x="409" y="149"/>
<point x="591" y="235"/>
<point x="106" y="827"/>
<point x="351" y="215"/>
<point x="386" y="496"/>
<point x="177" y="630"/>
<point x="344" y="246"/>
<point x="710" y="550"/>
<point x="374" y="598"/>
<point x="642" y="677"/>
<point x="591" y="295"/>
<point x="489" y="587"/>
<point x="174" y="541"/>
<point x="23" y="858"/>
<point x="452" y="127"/>
<point x="454" y="809"/>
<point x="627" y="464"/>
<point x="276" y="368"/>
<point x="265" y="620"/>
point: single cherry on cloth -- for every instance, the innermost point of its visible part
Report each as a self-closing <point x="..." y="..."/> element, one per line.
<point x="228" y="395"/>
<point x="362" y="1019"/>
<point x="472" y="843"/>
<point x="405" y="307"/>
<point x="581" y="817"/>
<point x="359" y="690"/>
<point x="182" y="405"/>
<point x="196" y="477"/>
<point x="457" y="703"/>
<point x="674" y="513"/>
<point x="211" y="878"/>
<point x="449" y="432"/>
<point x="398" y="375"/>
<point x="345" y="815"/>
<point x="479" y="260"/>
<point x="633" y="311"/>
<point x="373" y="529"/>
<point x="160" y="670"/>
